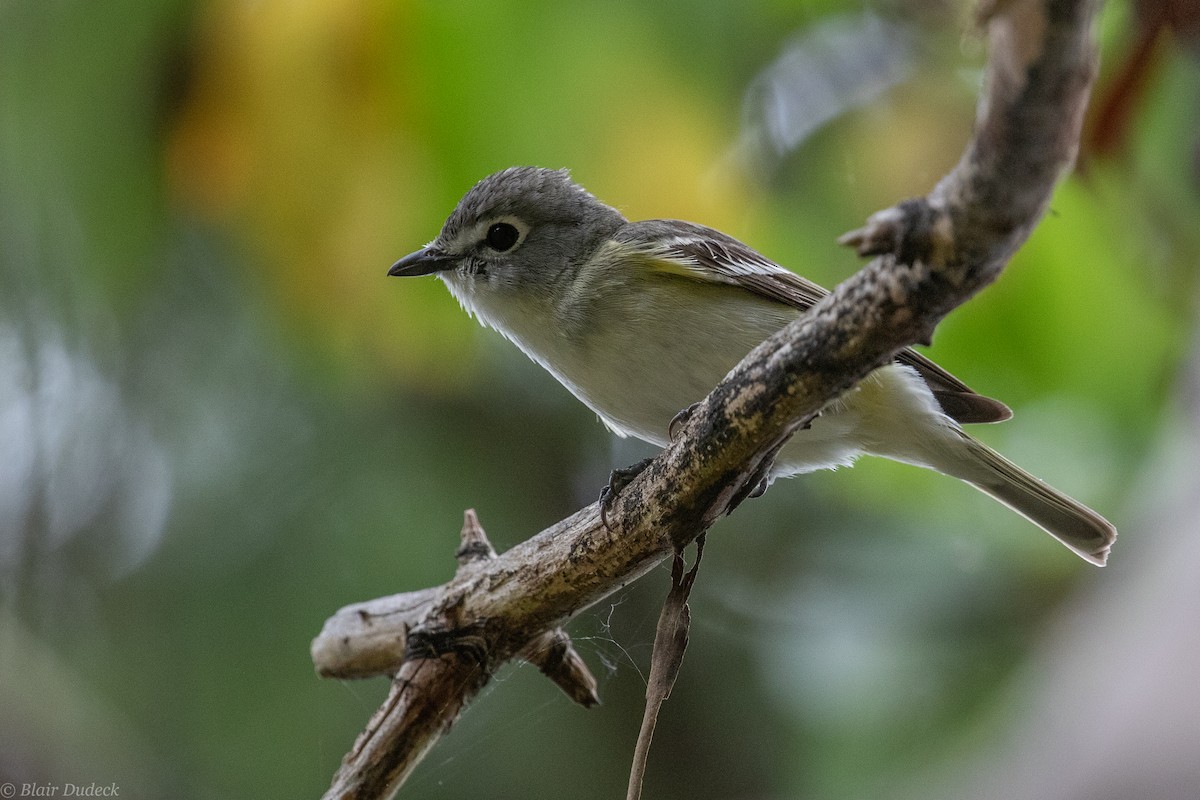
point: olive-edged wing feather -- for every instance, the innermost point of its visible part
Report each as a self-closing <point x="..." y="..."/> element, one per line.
<point x="702" y="253"/>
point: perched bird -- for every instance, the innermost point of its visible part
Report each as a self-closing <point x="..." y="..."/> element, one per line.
<point x="642" y="319"/>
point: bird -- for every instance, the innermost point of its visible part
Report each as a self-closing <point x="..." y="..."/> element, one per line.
<point x="642" y="319"/>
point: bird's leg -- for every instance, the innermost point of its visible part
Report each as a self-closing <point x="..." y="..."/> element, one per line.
<point x="756" y="482"/>
<point x="618" y="479"/>
<point x="755" y="485"/>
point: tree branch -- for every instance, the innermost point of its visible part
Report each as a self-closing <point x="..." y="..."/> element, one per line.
<point x="933" y="254"/>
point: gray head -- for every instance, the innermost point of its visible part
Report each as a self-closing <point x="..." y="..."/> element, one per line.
<point x="524" y="227"/>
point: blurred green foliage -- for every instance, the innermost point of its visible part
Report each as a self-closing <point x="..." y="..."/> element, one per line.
<point x="219" y="422"/>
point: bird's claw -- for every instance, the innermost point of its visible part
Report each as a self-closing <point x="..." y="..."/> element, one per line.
<point x="618" y="479"/>
<point x="754" y="486"/>
<point x="679" y="420"/>
<point x="756" y="482"/>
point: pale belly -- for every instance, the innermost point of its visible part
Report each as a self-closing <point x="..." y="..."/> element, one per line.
<point x="641" y="364"/>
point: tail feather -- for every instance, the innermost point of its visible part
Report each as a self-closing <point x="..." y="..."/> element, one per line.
<point x="1072" y="523"/>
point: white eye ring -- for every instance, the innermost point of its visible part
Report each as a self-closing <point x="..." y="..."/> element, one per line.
<point x="504" y="234"/>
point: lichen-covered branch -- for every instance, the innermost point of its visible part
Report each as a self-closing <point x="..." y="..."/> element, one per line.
<point x="931" y="254"/>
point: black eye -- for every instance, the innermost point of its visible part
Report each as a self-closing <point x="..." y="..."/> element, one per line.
<point x="502" y="236"/>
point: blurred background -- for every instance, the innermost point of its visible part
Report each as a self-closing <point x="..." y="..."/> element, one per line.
<point x="219" y="421"/>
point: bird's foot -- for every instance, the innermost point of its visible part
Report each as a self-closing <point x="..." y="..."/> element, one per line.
<point x="679" y="420"/>
<point x="754" y="486"/>
<point x="618" y="479"/>
<point x="756" y="482"/>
